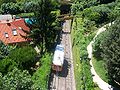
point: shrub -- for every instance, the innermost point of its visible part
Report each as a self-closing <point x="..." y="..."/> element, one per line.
<point x="41" y="76"/>
<point x="7" y="65"/>
<point x="24" y="57"/>
<point x="81" y="40"/>
<point x="16" y="80"/>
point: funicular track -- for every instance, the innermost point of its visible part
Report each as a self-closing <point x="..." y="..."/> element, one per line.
<point x="64" y="80"/>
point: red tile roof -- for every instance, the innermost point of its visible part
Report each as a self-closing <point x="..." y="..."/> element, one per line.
<point x="8" y="26"/>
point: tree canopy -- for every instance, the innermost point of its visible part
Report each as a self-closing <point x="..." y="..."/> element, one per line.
<point x="24" y="57"/>
<point x="45" y="30"/>
<point x="108" y="47"/>
<point x="17" y="79"/>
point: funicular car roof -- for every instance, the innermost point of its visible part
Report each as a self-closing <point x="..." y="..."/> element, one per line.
<point x="58" y="58"/>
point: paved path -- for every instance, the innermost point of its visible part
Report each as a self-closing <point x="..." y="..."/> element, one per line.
<point x="65" y="79"/>
<point x="102" y="85"/>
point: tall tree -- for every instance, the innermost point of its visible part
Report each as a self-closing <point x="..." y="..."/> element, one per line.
<point x="109" y="47"/>
<point x="44" y="31"/>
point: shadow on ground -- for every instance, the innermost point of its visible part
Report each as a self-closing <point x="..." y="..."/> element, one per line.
<point x="63" y="73"/>
<point x="65" y="69"/>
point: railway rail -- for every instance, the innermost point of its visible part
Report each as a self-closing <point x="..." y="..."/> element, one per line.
<point x="64" y="80"/>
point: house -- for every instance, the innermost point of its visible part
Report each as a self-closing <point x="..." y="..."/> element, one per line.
<point x="11" y="30"/>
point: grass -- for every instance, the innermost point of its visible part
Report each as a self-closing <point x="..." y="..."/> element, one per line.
<point x="77" y="67"/>
<point x="100" y="69"/>
<point x="76" y="61"/>
<point x="97" y="88"/>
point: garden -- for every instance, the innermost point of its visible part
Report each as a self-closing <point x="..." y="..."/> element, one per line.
<point x="21" y="67"/>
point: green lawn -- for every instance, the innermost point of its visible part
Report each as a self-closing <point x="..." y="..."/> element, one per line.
<point x="77" y="67"/>
<point x="100" y="69"/>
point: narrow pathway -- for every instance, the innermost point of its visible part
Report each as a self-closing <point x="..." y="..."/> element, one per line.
<point x="102" y="84"/>
<point x="65" y="80"/>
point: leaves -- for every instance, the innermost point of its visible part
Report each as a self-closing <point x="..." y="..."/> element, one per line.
<point x="41" y="76"/>
<point x="24" y="57"/>
<point x="17" y="80"/>
<point x="108" y="46"/>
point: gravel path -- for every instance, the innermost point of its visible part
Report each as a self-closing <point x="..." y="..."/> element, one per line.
<point x="102" y="84"/>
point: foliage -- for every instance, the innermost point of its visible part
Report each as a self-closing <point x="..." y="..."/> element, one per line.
<point x="6" y="1"/>
<point x="29" y="6"/>
<point x="116" y="11"/>
<point x="11" y="8"/>
<point x="97" y="46"/>
<point x="24" y="57"/>
<point x="99" y="13"/>
<point x="109" y="45"/>
<point x="44" y="31"/>
<point x="86" y="78"/>
<point x="4" y="50"/>
<point x="25" y="15"/>
<point x="21" y="80"/>
<point x="80" y="5"/>
<point x="96" y="14"/>
<point x="16" y="80"/>
<point x="81" y="63"/>
<point x="41" y="76"/>
<point x="7" y="65"/>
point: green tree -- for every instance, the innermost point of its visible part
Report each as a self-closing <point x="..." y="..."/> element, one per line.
<point x="99" y="14"/>
<point x="109" y="47"/>
<point x="4" y="50"/>
<point x="16" y="80"/>
<point x="24" y="57"/>
<point x="44" y="31"/>
<point x="12" y="8"/>
<point x="41" y="76"/>
<point x="80" y="5"/>
<point x="6" y="65"/>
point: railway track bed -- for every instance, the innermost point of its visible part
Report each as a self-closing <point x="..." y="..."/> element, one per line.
<point x="64" y="80"/>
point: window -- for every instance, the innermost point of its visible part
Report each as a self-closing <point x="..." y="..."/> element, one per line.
<point x="14" y="32"/>
<point x="6" y="35"/>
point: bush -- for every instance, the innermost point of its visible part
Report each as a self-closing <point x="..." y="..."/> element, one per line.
<point x="10" y="8"/>
<point x="41" y="76"/>
<point x="24" y="57"/>
<point x="16" y="80"/>
<point x="99" y="14"/>
<point x="4" y="50"/>
<point x="81" y="40"/>
<point x="7" y="65"/>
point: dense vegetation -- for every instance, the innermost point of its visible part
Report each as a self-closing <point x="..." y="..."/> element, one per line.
<point x="107" y="48"/>
<point x="94" y="14"/>
<point x="21" y="67"/>
<point x="18" y="69"/>
<point x="80" y="40"/>
<point x="46" y="27"/>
